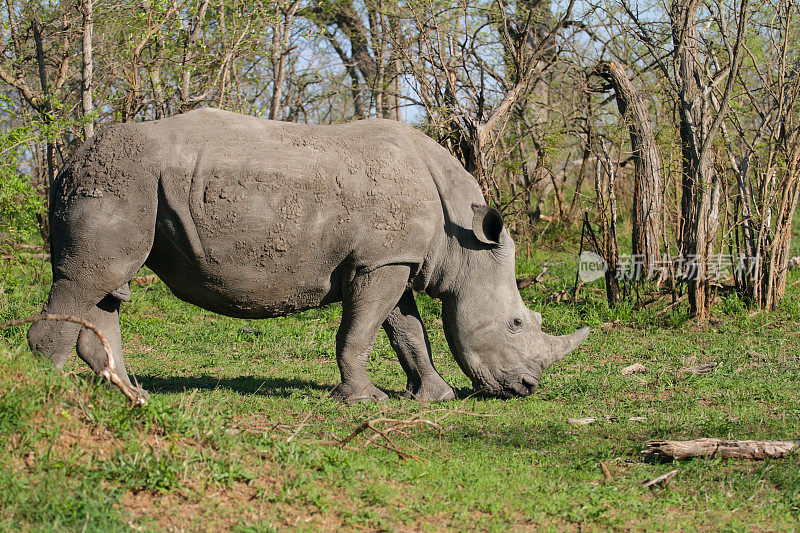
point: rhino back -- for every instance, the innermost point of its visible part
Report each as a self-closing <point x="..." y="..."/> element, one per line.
<point x="260" y="218"/>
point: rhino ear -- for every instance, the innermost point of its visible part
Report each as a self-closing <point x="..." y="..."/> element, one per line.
<point x="487" y="224"/>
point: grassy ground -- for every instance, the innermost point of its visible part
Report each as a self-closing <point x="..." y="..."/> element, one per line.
<point x="234" y="435"/>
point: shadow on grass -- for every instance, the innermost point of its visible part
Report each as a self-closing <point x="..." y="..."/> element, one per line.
<point x="272" y="386"/>
<point x="245" y="385"/>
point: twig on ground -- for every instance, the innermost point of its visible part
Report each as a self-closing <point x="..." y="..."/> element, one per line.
<point x="305" y="419"/>
<point x="673" y="304"/>
<point x="109" y="373"/>
<point x="699" y="370"/>
<point x="729" y="449"/>
<point x="661" y="481"/>
<point x="606" y="473"/>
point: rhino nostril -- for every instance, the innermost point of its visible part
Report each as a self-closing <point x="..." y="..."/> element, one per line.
<point x="518" y="388"/>
<point x="531" y="383"/>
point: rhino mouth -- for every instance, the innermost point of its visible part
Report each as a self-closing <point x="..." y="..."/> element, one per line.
<point x="522" y="378"/>
<point x="520" y="386"/>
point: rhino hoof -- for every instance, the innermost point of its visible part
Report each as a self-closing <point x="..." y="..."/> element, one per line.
<point x="350" y="394"/>
<point x="143" y="394"/>
<point x="437" y="393"/>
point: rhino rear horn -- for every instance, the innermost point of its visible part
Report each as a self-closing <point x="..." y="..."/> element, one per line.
<point x="487" y="224"/>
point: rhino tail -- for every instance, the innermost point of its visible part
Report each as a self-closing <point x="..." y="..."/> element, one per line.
<point x="122" y="293"/>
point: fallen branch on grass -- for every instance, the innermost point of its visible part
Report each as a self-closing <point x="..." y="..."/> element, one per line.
<point x="661" y="481"/>
<point x="391" y="425"/>
<point x="141" y="280"/>
<point x="383" y="428"/>
<point x="591" y="420"/>
<point x="527" y="282"/>
<point x="109" y="373"/>
<point x="729" y="449"/>
<point x="699" y="370"/>
<point x="673" y="304"/>
<point x="25" y="255"/>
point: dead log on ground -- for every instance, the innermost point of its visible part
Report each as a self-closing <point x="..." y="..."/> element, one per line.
<point x="728" y="449"/>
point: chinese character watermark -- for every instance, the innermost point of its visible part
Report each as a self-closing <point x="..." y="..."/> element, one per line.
<point x="632" y="267"/>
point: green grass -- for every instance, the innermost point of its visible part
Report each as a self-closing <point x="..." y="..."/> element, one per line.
<point x="210" y="450"/>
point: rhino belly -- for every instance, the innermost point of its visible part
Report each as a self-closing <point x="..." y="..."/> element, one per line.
<point x="243" y="291"/>
<point x="244" y="249"/>
<point x="239" y="297"/>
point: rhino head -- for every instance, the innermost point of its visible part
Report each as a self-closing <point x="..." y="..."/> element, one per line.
<point x="497" y="341"/>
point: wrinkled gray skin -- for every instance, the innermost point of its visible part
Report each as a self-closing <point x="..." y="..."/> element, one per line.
<point x="253" y="218"/>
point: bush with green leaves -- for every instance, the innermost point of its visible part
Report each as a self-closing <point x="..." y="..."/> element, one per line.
<point x="20" y="200"/>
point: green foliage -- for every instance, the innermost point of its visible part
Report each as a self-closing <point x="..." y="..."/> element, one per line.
<point x="20" y="202"/>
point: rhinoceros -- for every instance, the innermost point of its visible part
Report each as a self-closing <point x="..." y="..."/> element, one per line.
<point x="255" y="218"/>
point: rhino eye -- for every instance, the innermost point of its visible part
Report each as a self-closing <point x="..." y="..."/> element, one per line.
<point x="516" y="324"/>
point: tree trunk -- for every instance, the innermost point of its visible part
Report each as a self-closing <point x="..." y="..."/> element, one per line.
<point x="604" y="183"/>
<point x="700" y="186"/>
<point x="280" y="38"/>
<point x="192" y="36"/>
<point x="87" y="106"/>
<point x="775" y="257"/>
<point x="764" y="232"/>
<point x="647" y="210"/>
<point x="47" y="118"/>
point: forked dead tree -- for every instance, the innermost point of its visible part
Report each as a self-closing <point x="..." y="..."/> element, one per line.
<point x="445" y="53"/>
<point x="647" y="215"/>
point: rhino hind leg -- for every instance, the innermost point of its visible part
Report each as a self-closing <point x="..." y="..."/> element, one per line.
<point x="367" y="300"/>
<point x="55" y="340"/>
<point x="98" y="245"/>
<point x="105" y="316"/>
<point x="409" y="339"/>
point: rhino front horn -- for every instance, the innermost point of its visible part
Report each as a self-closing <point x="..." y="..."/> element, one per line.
<point x="566" y="344"/>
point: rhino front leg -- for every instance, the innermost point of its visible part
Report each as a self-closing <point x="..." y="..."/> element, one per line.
<point x="367" y="299"/>
<point x="409" y="339"/>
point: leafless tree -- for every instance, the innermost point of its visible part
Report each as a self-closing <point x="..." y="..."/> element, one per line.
<point x="764" y="153"/>
<point x="647" y="192"/>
